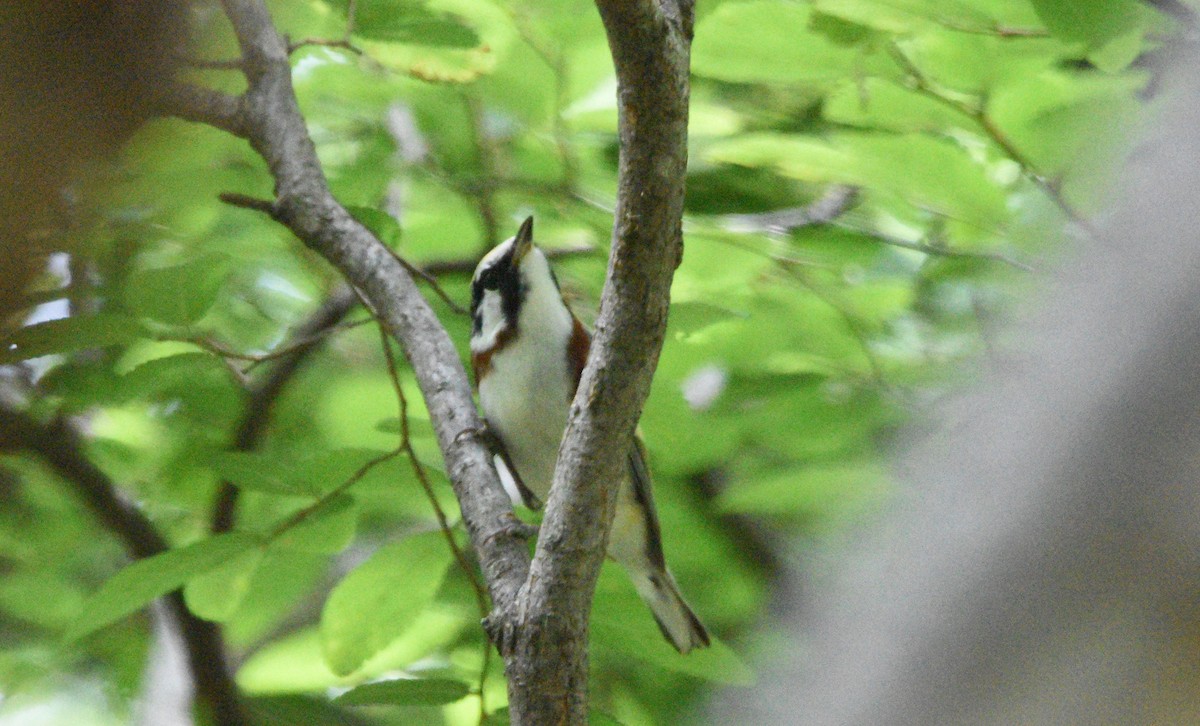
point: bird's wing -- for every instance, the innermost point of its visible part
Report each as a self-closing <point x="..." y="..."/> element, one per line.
<point x="528" y="498"/>
<point x="643" y="491"/>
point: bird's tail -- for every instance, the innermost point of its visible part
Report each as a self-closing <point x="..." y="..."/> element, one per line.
<point x="675" y="618"/>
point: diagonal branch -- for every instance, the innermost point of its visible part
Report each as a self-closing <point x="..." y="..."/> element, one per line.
<point x="303" y="202"/>
<point x="59" y="447"/>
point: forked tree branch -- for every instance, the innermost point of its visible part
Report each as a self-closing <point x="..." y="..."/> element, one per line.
<point x="264" y="392"/>
<point x="543" y="610"/>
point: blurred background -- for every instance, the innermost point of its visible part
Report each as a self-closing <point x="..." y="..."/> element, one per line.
<point x="953" y="235"/>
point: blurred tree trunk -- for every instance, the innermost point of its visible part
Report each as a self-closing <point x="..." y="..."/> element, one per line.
<point x="1042" y="564"/>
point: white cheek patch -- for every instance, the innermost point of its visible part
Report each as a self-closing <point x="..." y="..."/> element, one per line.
<point x="491" y="314"/>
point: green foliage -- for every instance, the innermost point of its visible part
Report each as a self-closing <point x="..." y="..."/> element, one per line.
<point x="972" y="130"/>
<point x="135" y="586"/>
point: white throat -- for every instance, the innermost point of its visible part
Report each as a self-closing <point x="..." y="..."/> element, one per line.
<point x="542" y="314"/>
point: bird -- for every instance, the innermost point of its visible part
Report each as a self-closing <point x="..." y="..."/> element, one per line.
<point x="528" y="351"/>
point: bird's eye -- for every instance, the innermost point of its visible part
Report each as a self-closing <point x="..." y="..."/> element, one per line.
<point x="490" y="279"/>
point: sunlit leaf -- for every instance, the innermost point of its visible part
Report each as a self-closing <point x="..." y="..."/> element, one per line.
<point x="378" y="601"/>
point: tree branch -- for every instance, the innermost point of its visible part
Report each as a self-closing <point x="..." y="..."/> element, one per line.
<point x="303" y="202"/>
<point x="650" y="43"/>
<point x="59" y="447"/>
<point x="204" y="105"/>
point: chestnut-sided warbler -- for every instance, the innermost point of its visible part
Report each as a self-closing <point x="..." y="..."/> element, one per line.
<point x="528" y="351"/>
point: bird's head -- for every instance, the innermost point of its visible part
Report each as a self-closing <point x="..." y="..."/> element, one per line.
<point x="514" y="290"/>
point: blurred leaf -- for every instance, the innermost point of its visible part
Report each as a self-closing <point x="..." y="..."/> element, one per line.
<point x="135" y="586"/>
<point x="767" y="41"/>
<point x="329" y="529"/>
<point x="366" y="612"/>
<point x="178" y="295"/>
<point x="405" y="692"/>
<point x="217" y="594"/>
<point x="1090" y="21"/>
<point x="690" y="316"/>
<point x="811" y="489"/>
<point x="67" y="335"/>
<point x="639" y="638"/>
<point x="409" y="21"/>
<point x="384" y="225"/>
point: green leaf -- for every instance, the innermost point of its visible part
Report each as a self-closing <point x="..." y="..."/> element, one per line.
<point x="811" y="489"/>
<point x="384" y="225"/>
<point x="768" y="41"/>
<point x="67" y="335"/>
<point x="406" y="692"/>
<point x="330" y="529"/>
<point x="135" y="586"/>
<point x="638" y="637"/>
<point x="259" y="472"/>
<point x="927" y="173"/>
<point x="692" y="316"/>
<point x="217" y="594"/>
<point x="377" y="602"/>
<point x="1091" y="21"/>
<point x="410" y="21"/>
<point x="178" y="295"/>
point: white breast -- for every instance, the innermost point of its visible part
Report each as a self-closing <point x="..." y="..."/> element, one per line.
<point x="526" y="395"/>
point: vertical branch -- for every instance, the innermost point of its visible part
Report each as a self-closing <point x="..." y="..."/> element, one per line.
<point x="650" y="43"/>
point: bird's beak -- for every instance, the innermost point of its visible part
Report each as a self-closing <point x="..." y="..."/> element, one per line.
<point x="523" y="241"/>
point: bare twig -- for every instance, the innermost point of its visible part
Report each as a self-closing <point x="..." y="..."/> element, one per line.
<point x="466" y="265"/>
<point x="272" y="210"/>
<point x="944" y="251"/>
<point x="484" y="191"/>
<point x="836" y="200"/>
<point x="58" y="445"/>
<point x="343" y="43"/>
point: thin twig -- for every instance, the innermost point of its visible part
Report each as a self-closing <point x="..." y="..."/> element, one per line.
<point x="832" y="204"/>
<point x="289" y="348"/>
<point x="272" y="210"/>
<point x="466" y="265"/>
<point x="944" y="251"/>
<point x="481" y="597"/>
<point x="325" y="499"/>
<point x="343" y="43"/>
<point x="997" y="30"/>
<point x="204" y="105"/>
<point x="485" y="158"/>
